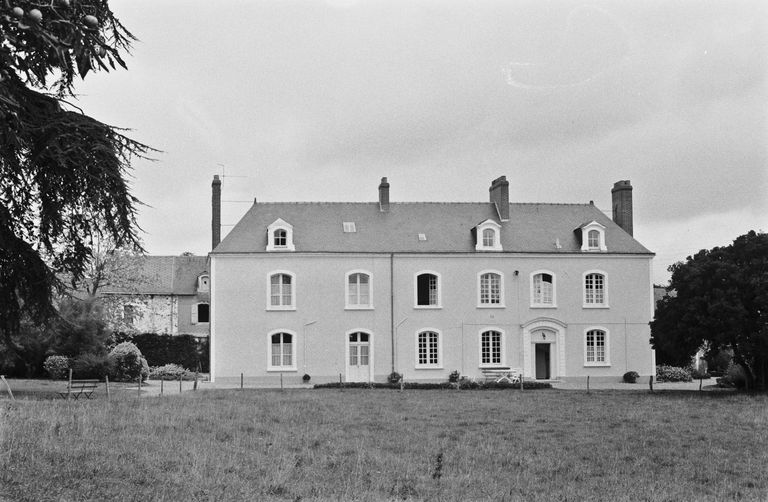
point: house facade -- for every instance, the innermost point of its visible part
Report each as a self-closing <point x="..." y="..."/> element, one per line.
<point x="163" y="294"/>
<point x="355" y="291"/>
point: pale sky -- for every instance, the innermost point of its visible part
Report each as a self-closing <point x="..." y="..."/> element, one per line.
<point x="317" y="100"/>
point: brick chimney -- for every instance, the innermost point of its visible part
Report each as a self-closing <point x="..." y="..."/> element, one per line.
<point x="384" y="195"/>
<point x="622" y="205"/>
<point x="500" y="196"/>
<point x="215" y="211"/>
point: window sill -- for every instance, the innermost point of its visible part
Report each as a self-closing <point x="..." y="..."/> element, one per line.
<point x="280" y="309"/>
<point x="428" y="367"/>
<point x="590" y="306"/>
<point x="492" y="306"/>
<point x="543" y="306"/>
<point x="281" y="370"/>
<point x="597" y="365"/>
<point x="494" y="366"/>
<point x="428" y="307"/>
<point x="355" y="307"/>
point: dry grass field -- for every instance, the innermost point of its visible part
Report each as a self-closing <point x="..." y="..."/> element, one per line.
<point x="360" y="444"/>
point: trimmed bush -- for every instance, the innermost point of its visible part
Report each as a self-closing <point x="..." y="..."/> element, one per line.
<point x="631" y="377"/>
<point x="91" y="366"/>
<point x="170" y="372"/>
<point x="454" y="376"/>
<point x="672" y="374"/>
<point x="393" y="377"/>
<point x="128" y="363"/>
<point x="57" y="367"/>
<point x="464" y="384"/>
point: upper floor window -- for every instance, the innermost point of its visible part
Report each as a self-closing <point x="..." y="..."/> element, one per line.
<point x="203" y="283"/>
<point x="542" y="289"/>
<point x="428" y="350"/>
<point x="490" y="289"/>
<point x="359" y="290"/>
<point x="596" y="347"/>
<point x="282" y="291"/>
<point x="201" y="313"/>
<point x="595" y="289"/>
<point x="593" y="237"/>
<point x="491" y="348"/>
<point x="488" y="236"/>
<point x="280" y="236"/>
<point x="282" y="351"/>
<point x="428" y="290"/>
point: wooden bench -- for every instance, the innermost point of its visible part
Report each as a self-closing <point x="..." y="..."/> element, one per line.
<point x="502" y="374"/>
<point x="77" y="388"/>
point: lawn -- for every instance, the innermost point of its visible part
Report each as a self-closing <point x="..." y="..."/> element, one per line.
<point x="360" y="444"/>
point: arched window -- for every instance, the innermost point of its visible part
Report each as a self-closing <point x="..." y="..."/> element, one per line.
<point x="593" y="239"/>
<point x="359" y="290"/>
<point x="596" y="347"/>
<point x="490" y="289"/>
<point x="595" y="290"/>
<point x="543" y="289"/>
<point x="490" y="348"/>
<point x="280" y="236"/>
<point x="282" y="291"/>
<point x="428" y="350"/>
<point x="282" y="351"/>
<point x="427" y="290"/>
<point x="489" y="237"/>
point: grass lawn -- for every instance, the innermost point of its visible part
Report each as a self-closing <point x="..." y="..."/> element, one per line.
<point x="360" y="444"/>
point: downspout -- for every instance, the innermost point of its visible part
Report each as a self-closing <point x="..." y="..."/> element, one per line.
<point x="392" y="306"/>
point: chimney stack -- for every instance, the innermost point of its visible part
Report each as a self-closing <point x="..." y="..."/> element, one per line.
<point x="500" y="196"/>
<point x="215" y="211"/>
<point x="384" y="195"/>
<point x="622" y="205"/>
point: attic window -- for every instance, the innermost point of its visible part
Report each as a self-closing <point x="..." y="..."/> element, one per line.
<point x="488" y="234"/>
<point x="422" y="237"/>
<point x="280" y="236"/>
<point x="349" y="227"/>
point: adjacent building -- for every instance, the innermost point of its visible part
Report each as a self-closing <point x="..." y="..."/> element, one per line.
<point x="359" y="290"/>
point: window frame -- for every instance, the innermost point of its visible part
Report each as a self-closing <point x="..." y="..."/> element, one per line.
<point x="294" y="344"/>
<point x="358" y="306"/>
<point x="585" y="230"/>
<point x="439" y="303"/>
<point x="276" y="226"/>
<point x="480" y="303"/>
<point x="290" y="307"/>
<point x="606" y="347"/>
<point x="195" y="313"/>
<point x="594" y="305"/>
<point x="439" y="348"/>
<point x="502" y="348"/>
<point x="542" y="305"/>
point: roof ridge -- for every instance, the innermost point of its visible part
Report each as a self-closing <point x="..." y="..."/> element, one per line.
<point x="297" y="203"/>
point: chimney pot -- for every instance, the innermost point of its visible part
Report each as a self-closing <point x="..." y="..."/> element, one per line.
<point x="384" y="195"/>
<point x="499" y="193"/>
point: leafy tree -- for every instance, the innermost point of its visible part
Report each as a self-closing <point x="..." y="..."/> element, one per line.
<point x="721" y="299"/>
<point x="63" y="174"/>
<point x="112" y="266"/>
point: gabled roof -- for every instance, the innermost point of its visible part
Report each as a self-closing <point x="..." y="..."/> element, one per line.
<point x="317" y="227"/>
<point x="162" y="275"/>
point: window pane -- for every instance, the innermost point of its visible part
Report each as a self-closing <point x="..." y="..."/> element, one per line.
<point x="488" y="237"/>
<point x="364" y="355"/>
<point x="363" y="337"/>
<point x="353" y="355"/>
<point x="203" y="312"/>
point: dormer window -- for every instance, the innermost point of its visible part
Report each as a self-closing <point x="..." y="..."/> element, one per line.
<point x="203" y="283"/>
<point x="593" y="237"/>
<point x="280" y="236"/>
<point x="488" y="234"/>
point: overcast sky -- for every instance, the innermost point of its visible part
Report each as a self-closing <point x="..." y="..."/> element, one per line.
<point x="317" y="100"/>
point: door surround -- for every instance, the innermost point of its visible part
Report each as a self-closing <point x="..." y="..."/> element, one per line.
<point x="553" y="332"/>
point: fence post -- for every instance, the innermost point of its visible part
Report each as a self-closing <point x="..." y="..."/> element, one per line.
<point x="69" y="384"/>
<point x="241" y="381"/>
<point x="139" y="385"/>
<point x="650" y="383"/>
<point x="196" y="377"/>
<point x="587" y="384"/>
<point x="106" y="380"/>
<point x="281" y="381"/>
<point x="521" y="382"/>
<point x="701" y="379"/>
<point x="162" y="381"/>
<point x="341" y="384"/>
<point x="180" y="384"/>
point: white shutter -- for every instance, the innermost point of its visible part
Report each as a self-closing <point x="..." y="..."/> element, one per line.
<point x="193" y="314"/>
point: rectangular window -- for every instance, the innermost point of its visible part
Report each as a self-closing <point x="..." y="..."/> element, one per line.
<point x="490" y="289"/>
<point x="594" y="289"/>
<point x="281" y="292"/>
<point x="428" y="349"/>
<point x="359" y="290"/>
<point x="349" y="227"/>
<point x="282" y="351"/>
<point x="543" y="289"/>
<point x="595" y="349"/>
<point x="426" y="290"/>
<point x="490" y="347"/>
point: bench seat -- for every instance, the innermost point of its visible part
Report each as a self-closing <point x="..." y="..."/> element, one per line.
<point x="77" y="388"/>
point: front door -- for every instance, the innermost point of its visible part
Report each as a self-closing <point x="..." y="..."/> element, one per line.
<point x="542" y="361"/>
<point x="359" y="360"/>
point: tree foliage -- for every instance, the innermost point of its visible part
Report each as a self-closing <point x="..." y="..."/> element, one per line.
<point x="722" y="300"/>
<point x="63" y="175"/>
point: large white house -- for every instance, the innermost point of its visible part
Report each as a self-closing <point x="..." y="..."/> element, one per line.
<point x="359" y="290"/>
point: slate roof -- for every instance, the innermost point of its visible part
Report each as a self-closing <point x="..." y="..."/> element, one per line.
<point x="164" y="275"/>
<point x="448" y="226"/>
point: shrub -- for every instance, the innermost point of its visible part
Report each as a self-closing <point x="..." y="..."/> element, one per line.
<point x="57" y="367"/>
<point x="734" y="377"/>
<point x="699" y="374"/>
<point x="631" y="377"/>
<point x="185" y="350"/>
<point x="306" y="378"/>
<point x="128" y="363"/>
<point x="170" y="372"/>
<point x="432" y="386"/>
<point x="454" y="376"/>
<point x="394" y="377"/>
<point x="672" y="374"/>
<point x="91" y="366"/>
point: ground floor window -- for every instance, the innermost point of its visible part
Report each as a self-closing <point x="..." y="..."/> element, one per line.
<point x="490" y="347"/>
<point x="282" y="351"/>
<point x="428" y="348"/>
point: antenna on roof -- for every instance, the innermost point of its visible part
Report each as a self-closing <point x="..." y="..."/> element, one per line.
<point x="224" y="175"/>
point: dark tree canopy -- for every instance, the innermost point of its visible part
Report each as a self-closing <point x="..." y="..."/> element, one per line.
<point x="63" y="174"/>
<point x="721" y="298"/>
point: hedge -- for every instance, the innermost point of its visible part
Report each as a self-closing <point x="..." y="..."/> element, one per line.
<point x="187" y="351"/>
<point x="429" y="386"/>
